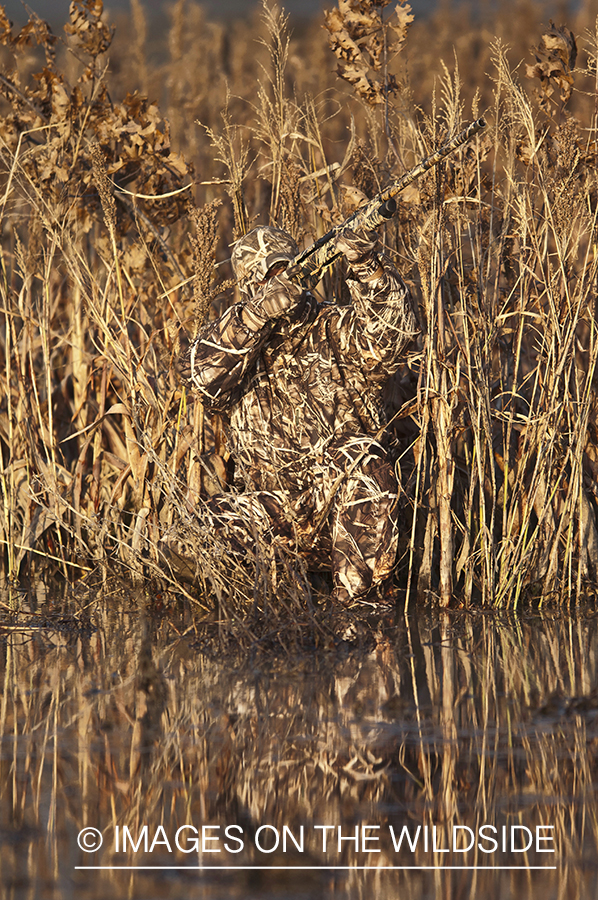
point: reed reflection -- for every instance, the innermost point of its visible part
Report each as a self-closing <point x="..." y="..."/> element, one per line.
<point x="435" y="723"/>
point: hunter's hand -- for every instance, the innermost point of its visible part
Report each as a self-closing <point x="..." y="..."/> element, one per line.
<point x="278" y="295"/>
<point x="359" y="249"/>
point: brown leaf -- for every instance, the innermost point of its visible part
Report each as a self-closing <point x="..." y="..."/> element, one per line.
<point x="555" y="60"/>
<point x="87" y="27"/>
<point x="323" y="211"/>
<point x="60" y="101"/>
<point x="333" y="20"/>
<point x="372" y="91"/>
<point x="375" y="49"/>
<point x="353" y="198"/>
<point x="112" y="168"/>
<point x="5" y="28"/>
<point x="175" y="161"/>
<point x="561" y="40"/>
<point x="35" y="31"/>
<point x="135" y="257"/>
<point x="404" y="18"/>
<point x="524" y="152"/>
<point x="344" y="47"/>
<point x="357" y="39"/>
<point x="361" y="17"/>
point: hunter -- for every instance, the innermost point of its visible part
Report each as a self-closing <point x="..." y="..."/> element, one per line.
<point x="300" y="381"/>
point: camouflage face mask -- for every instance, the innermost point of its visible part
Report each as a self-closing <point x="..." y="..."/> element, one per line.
<point x="259" y="251"/>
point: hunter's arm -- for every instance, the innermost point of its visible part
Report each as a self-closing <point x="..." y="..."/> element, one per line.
<point x="226" y="349"/>
<point x="383" y="321"/>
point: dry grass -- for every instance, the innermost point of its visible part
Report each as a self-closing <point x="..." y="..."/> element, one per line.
<point x="107" y="262"/>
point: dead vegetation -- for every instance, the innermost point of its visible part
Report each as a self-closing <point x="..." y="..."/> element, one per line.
<point x="114" y="212"/>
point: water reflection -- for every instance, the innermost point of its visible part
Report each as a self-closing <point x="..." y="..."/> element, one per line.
<point x="442" y="732"/>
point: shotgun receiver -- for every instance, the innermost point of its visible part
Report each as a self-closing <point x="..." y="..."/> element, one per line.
<point x="306" y="268"/>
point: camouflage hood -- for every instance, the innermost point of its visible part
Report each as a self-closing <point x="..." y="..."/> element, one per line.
<point x="257" y="252"/>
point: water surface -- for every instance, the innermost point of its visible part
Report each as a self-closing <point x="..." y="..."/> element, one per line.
<point x="118" y="714"/>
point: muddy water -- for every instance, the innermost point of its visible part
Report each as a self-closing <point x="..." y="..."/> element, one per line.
<point x="433" y="756"/>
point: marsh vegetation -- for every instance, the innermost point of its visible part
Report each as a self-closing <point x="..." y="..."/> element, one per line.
<point x="123" y="184"/>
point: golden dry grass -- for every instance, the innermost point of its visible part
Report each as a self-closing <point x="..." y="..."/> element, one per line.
<point x="107" y="271"/>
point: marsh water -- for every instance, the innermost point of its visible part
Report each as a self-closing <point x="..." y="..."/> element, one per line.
<point x="429" y="755"/>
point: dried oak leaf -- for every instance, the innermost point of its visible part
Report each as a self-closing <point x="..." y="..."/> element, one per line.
<point x="333" y="21"/>
<point x="175" y="161"/>
<point x="86" y="26"/>
<point x="5" y="28"/>
<point x="323" y="211"/>
<point x="135" y="257"/>
<point x="360" y="17"/>
<point x="369" y="90"/>
<point x="36" y="31"/>
<point x="61" y="102"/>
<point x="357" y="38"/>
<point x="344" y="47"/>
<point x="555" y="60"/>
<point x="52" y="163"/>
<point x="404" y="18"/>
<point x="355" y="28"/>
<point x="375" y="49"/>
<point x="353" y="198"/>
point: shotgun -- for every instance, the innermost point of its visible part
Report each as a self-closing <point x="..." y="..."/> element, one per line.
<point x="307" y="266"/>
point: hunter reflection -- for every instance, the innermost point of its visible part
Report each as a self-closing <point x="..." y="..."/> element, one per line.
<point x="445" y="732"/>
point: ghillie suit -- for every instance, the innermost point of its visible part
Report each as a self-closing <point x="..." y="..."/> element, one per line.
<point x="301" y="382"/>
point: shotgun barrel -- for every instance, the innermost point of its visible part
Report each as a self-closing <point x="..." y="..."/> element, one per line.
<point x="308" y="265"/>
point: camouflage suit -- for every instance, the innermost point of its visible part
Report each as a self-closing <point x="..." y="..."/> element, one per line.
<point x="300" y="381"/>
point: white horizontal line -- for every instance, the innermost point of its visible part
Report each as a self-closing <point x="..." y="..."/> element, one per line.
<point x="316" y="868"/>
